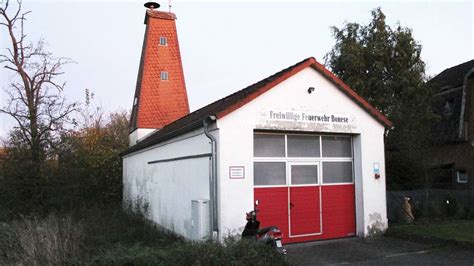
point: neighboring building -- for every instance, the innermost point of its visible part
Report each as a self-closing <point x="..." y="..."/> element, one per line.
<point x="453" y="133"/>
<point x="300" y="141"/>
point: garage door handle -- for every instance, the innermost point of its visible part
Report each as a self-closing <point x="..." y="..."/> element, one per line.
<point x="292" y="205"/>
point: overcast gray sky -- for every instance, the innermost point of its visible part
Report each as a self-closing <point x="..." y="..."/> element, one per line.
<point x="225" y="46"/>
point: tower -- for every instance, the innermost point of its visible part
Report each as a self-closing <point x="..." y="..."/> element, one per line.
<point x="160" y="93"/>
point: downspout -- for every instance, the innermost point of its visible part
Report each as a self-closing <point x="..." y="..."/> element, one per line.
<point x="463" y="103"/>
<point x="212" y="178"/>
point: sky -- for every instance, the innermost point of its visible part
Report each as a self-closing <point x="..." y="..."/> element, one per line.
<point x="226" y="45"/>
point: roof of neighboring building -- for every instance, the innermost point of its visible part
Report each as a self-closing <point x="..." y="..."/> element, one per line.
<point x="236" y="100"/>
<point x="452" y="77"/>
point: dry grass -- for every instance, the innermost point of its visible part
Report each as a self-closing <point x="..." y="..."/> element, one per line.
<point x="53" y="240"/>
<point x="112" y="236"/>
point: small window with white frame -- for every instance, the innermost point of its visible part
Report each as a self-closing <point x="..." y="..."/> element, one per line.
<point x="163" y="41"/>
<point x="461" y="176"/>
<point x="164" y="75"/>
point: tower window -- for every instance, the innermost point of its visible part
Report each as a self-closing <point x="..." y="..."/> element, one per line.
<point x="164" y="75"/>
<point x="135" y="101"/>
<point x="163" y="41"/>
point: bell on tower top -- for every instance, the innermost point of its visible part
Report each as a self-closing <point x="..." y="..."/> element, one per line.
<point x="152" y="5"/>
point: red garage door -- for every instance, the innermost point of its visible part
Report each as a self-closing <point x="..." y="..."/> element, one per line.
<point x="304" y="184"/>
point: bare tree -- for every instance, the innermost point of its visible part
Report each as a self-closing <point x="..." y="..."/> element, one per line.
<point x="34" y="98"/>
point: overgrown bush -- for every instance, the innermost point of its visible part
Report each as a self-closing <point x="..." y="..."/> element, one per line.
<point x="85" y="169"/>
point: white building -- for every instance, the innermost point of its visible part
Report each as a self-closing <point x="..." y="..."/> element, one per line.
<point x="300" y="141"/>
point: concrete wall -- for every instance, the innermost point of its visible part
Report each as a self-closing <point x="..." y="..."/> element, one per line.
<point x="236" y="147"/>
<point x="169" y="187"/>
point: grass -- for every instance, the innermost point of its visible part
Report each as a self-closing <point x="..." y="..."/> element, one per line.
<point x="111" y="236"/>
<point x="456" y="231"/>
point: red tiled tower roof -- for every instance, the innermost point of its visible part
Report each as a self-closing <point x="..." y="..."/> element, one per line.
<point x="159" y="102"/>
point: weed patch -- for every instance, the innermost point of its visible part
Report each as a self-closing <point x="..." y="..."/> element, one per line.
<point x="52" y="240"/>
<point x="112" y="236"/>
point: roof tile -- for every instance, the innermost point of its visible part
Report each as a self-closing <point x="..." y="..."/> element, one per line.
<point x="159" y="102"/>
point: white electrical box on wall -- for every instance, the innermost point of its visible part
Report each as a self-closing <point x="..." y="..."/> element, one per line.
<point x="200" y="219"/>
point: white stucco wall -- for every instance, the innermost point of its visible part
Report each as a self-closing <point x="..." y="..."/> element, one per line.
<point x="236" y="147"/>
<point x="169" y="187"/>
<point x="139" y="134"/>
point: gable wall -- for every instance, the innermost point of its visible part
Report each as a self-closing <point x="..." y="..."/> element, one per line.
<point x="236" y="146"/>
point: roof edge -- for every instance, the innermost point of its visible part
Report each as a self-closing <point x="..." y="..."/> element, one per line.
<point x="381" y="118"/>
<point x="133" y="124"/>
<point x="160" y="14"/>
<point x="297" y="68"/>
<point x="148" y="141"/>
<point x="311" y="62"/>
<point x="195" y="119"/>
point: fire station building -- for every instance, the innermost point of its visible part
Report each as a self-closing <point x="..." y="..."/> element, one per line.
<point x="301" y="142"/>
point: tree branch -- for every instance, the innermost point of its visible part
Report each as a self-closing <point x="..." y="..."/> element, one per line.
<point x="34" y="97"/>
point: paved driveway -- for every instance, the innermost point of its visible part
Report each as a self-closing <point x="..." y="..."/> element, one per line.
<point x="383" y="250"/>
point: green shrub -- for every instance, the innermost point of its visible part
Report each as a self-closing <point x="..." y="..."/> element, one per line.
<point x="104" y="228"/>
<point x="137" y="254"/>
<point x="232" y="252"/>
<point x="84" y="169"/>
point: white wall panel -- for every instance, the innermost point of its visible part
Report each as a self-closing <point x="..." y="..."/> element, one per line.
<point x="169" y="187"/>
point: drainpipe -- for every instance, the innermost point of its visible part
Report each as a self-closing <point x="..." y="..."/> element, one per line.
<point x="463" y="103"/>
<point x="212" y="178"/>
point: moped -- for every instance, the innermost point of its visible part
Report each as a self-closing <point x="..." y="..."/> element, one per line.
<point x="269" y="235"/>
